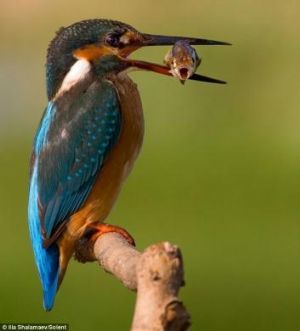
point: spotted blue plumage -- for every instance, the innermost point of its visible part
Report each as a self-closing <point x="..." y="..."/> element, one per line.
<point x="71" y="144"/>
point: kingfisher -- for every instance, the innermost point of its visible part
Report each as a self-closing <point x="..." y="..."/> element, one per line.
<point x="89" y="136"/>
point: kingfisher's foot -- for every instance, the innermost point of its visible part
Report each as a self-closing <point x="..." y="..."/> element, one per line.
<point x="101" y="228"/>
<point x="84" y="247"/>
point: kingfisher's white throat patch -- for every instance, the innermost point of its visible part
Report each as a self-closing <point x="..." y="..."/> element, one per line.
<point x="77" y="73"/>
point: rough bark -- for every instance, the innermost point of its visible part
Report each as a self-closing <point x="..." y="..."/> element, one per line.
<point x="156" y="274"/>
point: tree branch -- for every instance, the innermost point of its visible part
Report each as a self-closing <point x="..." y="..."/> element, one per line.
<point x="157" y="274"/>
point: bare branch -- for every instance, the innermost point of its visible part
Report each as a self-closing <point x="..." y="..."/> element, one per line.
<point x="157" y="274"/>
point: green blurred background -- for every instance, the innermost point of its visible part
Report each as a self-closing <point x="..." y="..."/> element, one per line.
<point x="219" y="173"/>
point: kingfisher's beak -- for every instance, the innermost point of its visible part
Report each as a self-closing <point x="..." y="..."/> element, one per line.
<point x="160" y="40"/>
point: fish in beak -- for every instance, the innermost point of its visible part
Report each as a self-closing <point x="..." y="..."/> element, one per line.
<point x="180" y="52"/>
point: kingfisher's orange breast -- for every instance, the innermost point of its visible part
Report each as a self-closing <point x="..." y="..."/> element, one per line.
<point x="118" y="163"/>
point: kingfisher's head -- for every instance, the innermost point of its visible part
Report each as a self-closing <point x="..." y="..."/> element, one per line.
<point x="104" y="45"/>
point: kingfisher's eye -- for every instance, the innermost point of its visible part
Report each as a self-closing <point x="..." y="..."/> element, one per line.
<point x="113" y="40"/>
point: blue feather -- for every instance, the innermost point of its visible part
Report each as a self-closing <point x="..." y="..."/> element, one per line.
<point x="47" y="260"/>
<point x="41" y="134"/>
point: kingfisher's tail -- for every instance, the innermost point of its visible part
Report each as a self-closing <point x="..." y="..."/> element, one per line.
<point x="46" y="259"/>
<point x="49" y="277"/>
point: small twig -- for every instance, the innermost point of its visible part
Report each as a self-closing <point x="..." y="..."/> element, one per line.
<point x="157" y="274"/>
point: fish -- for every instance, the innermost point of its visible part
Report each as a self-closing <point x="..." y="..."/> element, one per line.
<point x="183" y="60"/>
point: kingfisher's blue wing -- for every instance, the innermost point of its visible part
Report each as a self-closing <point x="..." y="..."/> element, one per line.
<point x="71" y="146"/>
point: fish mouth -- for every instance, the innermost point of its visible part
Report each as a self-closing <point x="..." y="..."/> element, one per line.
<point x="183" y="73"/>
